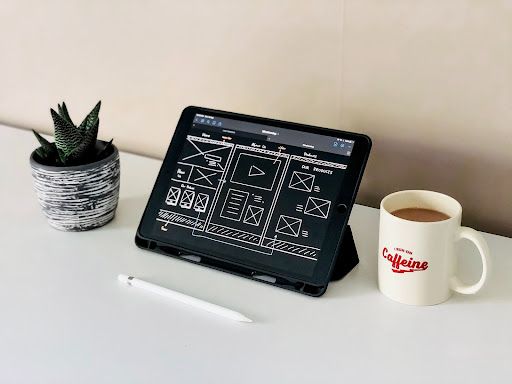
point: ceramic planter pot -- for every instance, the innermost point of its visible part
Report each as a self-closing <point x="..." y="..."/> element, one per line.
<point x="78" y="198"/>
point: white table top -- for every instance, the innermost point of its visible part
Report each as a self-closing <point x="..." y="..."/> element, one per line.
<point x="64" y="318"/>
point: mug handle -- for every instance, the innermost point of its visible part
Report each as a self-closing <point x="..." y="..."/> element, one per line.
<point x="483" y="248"/>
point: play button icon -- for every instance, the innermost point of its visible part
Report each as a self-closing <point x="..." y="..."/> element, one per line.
<point x="255" y="171"/>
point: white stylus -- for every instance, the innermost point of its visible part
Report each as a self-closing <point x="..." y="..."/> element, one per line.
<point x="192" y="301"/>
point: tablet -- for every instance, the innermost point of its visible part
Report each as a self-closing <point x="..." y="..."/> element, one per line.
<point x="261" y="198"/>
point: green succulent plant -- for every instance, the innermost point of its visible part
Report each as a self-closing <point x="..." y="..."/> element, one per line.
<point x="73" y="145"/>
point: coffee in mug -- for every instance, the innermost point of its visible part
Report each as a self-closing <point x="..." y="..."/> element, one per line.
<point x="417" y="235"/>
<point x="420" y="214"/>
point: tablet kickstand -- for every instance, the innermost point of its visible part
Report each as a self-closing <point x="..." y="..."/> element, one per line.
<point x="347" y="257"/>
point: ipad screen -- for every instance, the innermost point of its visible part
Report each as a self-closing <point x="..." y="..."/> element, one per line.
<point x="253" y="193"/>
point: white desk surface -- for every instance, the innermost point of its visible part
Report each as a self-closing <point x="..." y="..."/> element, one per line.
<point x="64" y="318"/>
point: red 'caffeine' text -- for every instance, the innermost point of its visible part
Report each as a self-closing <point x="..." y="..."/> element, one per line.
<point x="401" y="265"/>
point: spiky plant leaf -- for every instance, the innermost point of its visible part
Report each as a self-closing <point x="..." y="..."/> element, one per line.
<point x="41" y="139"/>
<point x="67" y="138"/>
<point x="62" y="158"/>
<point x="42" y="153"/>
<point x="63" y="112"/>
<point x="47" y="150"/>
<point x="49" y="154"/>
<point x="90" y="119"/>
<point x="45" y="153"/>
<point x="71" y="147"/>
<point x="102" y="152"/>
<point x="86" y="147"/>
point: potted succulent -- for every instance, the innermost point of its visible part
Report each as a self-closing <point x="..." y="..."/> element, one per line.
<point x="76" y="178"/>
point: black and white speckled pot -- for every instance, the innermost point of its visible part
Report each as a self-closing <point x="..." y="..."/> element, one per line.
<point x="81" y="197"/>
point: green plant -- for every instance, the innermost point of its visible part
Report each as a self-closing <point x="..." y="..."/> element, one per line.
<point x="73" y="145"/>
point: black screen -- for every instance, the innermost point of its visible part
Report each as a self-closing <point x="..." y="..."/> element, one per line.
<point x="253" y="193"/>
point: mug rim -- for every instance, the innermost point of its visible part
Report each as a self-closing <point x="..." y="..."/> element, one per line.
<point x="424" y="192"/>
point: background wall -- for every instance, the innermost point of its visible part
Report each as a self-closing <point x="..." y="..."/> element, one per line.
<point x="429" y="81"/>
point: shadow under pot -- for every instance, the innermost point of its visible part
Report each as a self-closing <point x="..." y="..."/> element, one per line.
<point x="79" y="197"/>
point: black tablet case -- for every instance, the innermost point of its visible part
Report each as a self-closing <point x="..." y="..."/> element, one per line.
<point x="346" y="259"/>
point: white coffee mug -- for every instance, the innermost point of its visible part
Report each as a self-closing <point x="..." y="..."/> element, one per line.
<point x="417" y="263"/>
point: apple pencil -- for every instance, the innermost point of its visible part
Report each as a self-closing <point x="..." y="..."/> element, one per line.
<point x="182" y="298"/>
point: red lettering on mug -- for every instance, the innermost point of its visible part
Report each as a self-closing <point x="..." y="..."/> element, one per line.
<point x="400" y="264"/>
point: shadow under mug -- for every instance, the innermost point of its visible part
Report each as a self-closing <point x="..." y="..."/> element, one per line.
<point x="416" y="260"/>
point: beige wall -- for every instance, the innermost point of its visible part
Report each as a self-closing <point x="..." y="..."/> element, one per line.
<point x="147" y="60"/>
<point x="429" y="81"/>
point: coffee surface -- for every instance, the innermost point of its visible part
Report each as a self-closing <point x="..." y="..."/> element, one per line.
<point x="420" y="214"/>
